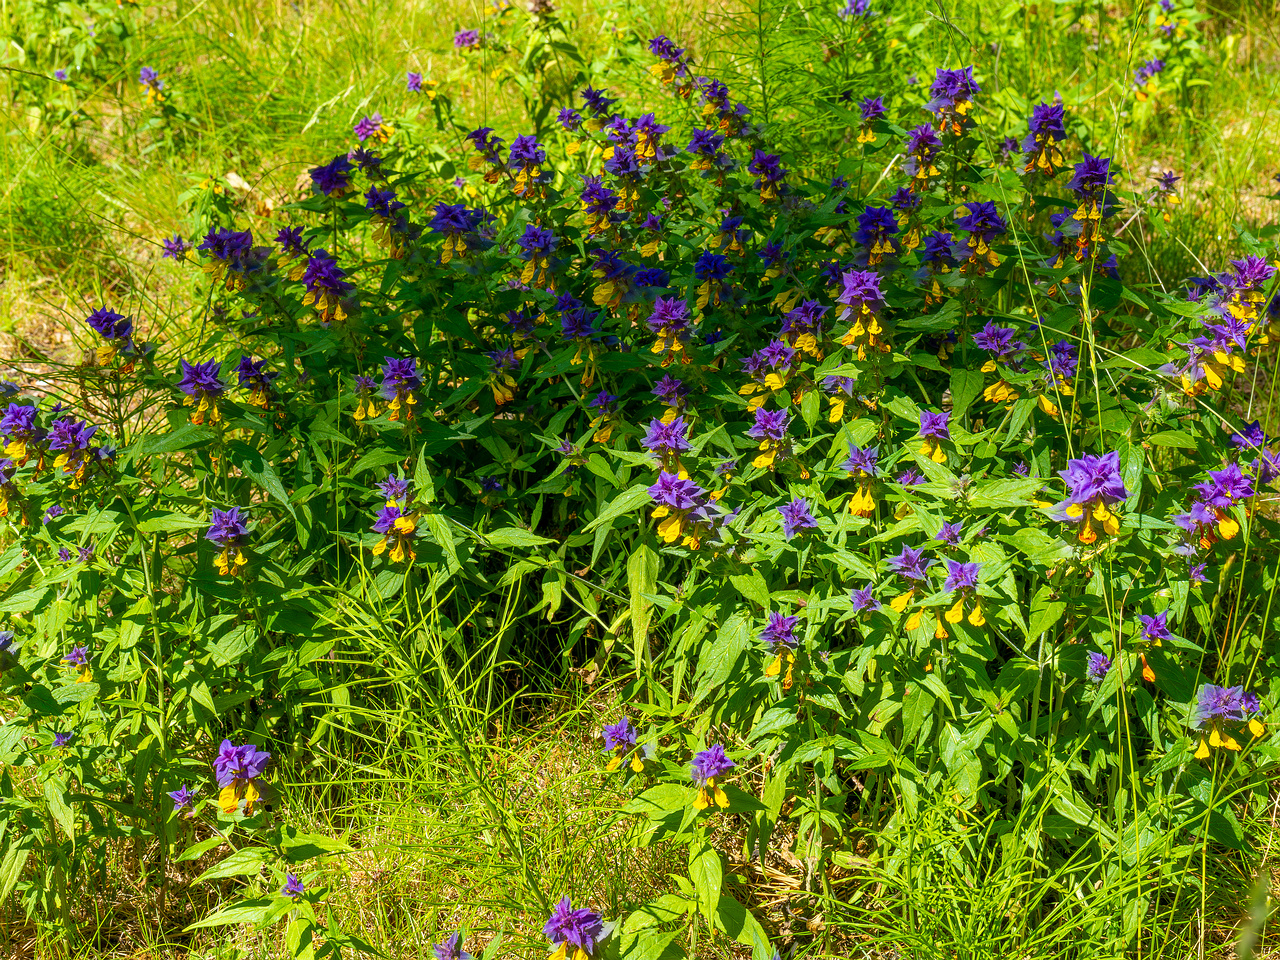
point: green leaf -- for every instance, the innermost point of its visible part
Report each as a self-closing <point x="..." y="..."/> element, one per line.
<point x="1173" y="438"/>
<point x="55" y="793"/>
<point x="997" y="494"/>
<point x="197" y="850"/>
<point x="166" y="521"/>
<point x="706" y="871"/>
<point x="247" y="911"/>
<point x="642" y="579"/>
<point x="753" y="587"/>
<point x="515" y="537"/>
<point x="626" y="502"/>
<point x="966" y="384"/>
<point x="257" y="467"/>
<point x="736" y="921"/>
<point x="809" y="408"/>
<point x="247" y="861"/>
<point x="298" y="847"/>
<point x="1045" y="612"/>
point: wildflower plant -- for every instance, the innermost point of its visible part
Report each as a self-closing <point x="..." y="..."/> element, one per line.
<point x="876" y="482"/>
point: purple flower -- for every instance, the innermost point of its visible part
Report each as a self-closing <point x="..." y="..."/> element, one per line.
<point x="863" y="461"/>
<point x="872" y="109"/>
<point x="666" y="438"/>
<point x="1155" y="629"/>
<point x="202" y="380"/>
<point x="242" y="763"/>
<point x="395" y="488"/>
<point x="935" y="425"/>
<point x="950" y="534"/>
<point x="181" y="798"/>
<point x="780" y="630"/>
<point x="1250" y="437"/>
<point x="580" y="928"/>
<point x="860" y="293"/>
<point x="466" y="39"/>
<point x="228" y="532"/>
<point x="64" y="555"/>
<point x="676" y="493"/>
<point x="333" y="178"/>
<point x="1099" y="664"/>
<point x="61" y="739"/>
<point x="60" y="76"/>
<point x="1093" y="486"/>
<point x="769" y="425"/>
<point x="1225" y="487"/>
<point x="1219" y="703"/>
<point x="864" y="601"/>
<point x="292" y="887"/>
<point x="78" y="657"/>
<point x="413" y="82"/>
<point x="910" y="564"/>
<point x="620" y="735"/>
<point x="952" y="91"/>
<point x="710" y="764"/>
<point x="175" y="248"/>
<point x="670" y="390"/>
<point x="368" y="127"/>
<point x="796" y="517"/>
<point x="451" y="949"/>
<point x="998" y="340"/>
<point x="961" y="576"/>
<point x="1092" y="179"/>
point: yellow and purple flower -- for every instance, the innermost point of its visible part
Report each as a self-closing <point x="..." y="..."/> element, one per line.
<point x="79" y="658"/>
<point x="400" y="384"/>
<point x="707" y="770"/>
<point x="575" y="934"/>
<point x="116" y="331"/>
<point x="769" y="174"/>
<point x="332" y="179"/>
<point x="152" y="84"/>
<point x="257" y="379"/>
<point x="397" y="528"/>
<point x="779" y="633"/>
<point x="864" y="466"/>
<point x="872" y="111"/>
<point x="934" y="428"/>
<point x="982" y="221"/>
<point x="711" y="269"/>
<point x="202" y="384"/>
<point x="770" y="429"/>
<point x="620" y="740"/>
<point x="862" y="300"/>
<point x="536" y="246"/>
<point x="962" y="578"/>
<point x="912" y="566"/>
<point x="953" y="92"/>
<point x="237" y="769"/>
<point x="372" y="128"/>
<point x="1045" y="132"/>
<point x="1094" y="487"/>
<point x="228" y="532"/>
<point x="70" y="440"/>
<point x="1224" y="710"/>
